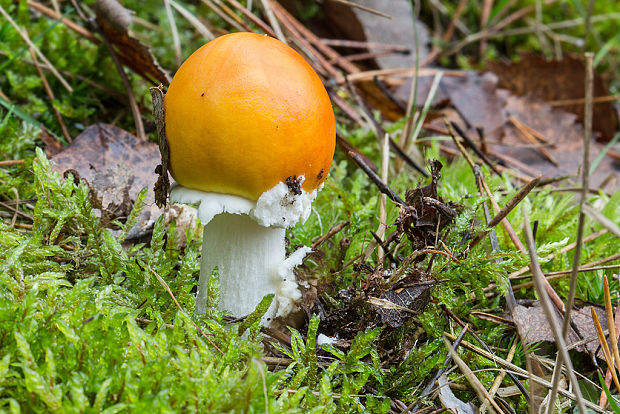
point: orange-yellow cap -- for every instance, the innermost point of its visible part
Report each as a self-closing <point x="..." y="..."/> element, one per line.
<point x="245" y="112"/>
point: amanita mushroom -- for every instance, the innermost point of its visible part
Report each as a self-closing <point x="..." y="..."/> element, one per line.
<point x="251" y="135"/>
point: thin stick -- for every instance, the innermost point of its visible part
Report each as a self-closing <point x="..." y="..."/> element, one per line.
<point x="334" y="230"/>
<point x="608" y="375"/>
<point x="475" y="148"/>
<point x="601" y="219"/>
<point x="383" y="187"/>
<point x="557" y="275"/>
<point x="167" y="289"/>
<point x="71" y="25"/>
<point x="401" y="72"/>
<point x="176" y="42"/>
<point x="551" y="316"/>
<point x="50" y="95"/>
<point x="522" y="372"/>
<point x="475" y="383"/>
<point x="609" y="310"/>
<point x="273" y="21"/>
<point x="385" y="160"/>
<point x="563" y="250"/>
<point x="585" y="170"/>
<point x="133" y="104"/>
<point x="357" y="44"/>
<point x="486" y="347"/>
<point x="247" y="13"/>
<point x="24" y="35"/>
<point x="581" y="101"/>
<point x="429" y="387"/>
<point x="510" y="205"/>
<point x="526" y="133"/>
<point x="8" y="163"/>
<point x="225" y="13"/>
<point x="606" y="352"/>
<point x="193" y="20"/>
<point x="364" y="8"/>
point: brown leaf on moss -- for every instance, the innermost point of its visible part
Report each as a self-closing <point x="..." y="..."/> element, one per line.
<point x="406" y="298"/>
<point x="426" y="213"/>
<point x="117" y="166"/>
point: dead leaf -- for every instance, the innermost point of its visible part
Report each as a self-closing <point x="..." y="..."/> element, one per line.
<point x="449" y="400"/>
<point x="359" y="24"/>
<point x="51" y="144"/>
<point x="565" y="138"/>
<point x="533" y="326"/>
<point x="405" y="299"/>
<point x="114" y="21"/>
<point x="553" y="80"/>
<point x="117" y="166"/>
<point x="427" y="213"/>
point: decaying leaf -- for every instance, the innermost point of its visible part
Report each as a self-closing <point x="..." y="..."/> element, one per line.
<point x="564" y="135"/>
<point x="449" y="400"/>
<point x="117" y="166"/>
<point x="427" y="213"/>
<point x="114" y="20"/>
<point x="553" y="80"/>
<point x="406" y="298"/>
<point x="533" y="326"/>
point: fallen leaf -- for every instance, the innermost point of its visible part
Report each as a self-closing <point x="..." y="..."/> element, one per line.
<point x="556" y="80"/>
<point x="565" y="138"/>
<point x="405" y="299"/>
<point x="114" y="21"/>
<point x="117" y="166"/>
<point x="534" y="327"/>
<point x="449" y="400"/>
<point x="426" y="213"/>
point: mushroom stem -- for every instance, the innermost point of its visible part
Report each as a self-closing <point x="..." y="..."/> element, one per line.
<point x="247" y="256"/>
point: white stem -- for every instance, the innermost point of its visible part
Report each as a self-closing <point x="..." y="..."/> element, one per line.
<point x="247" y="256"/>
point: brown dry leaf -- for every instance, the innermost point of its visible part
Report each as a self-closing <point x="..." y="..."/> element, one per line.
<point x="358" y="24"/>
<point x="117" y="166"/>
<point x="114" y="21"/>
<point x="553" y="81"/>
<point x="408" y="297"/>
<point x="52" y="145"/>
<point x="426" y="213"/>
<point x="533" y="326"/>
<point x="565" y="137"/>
<point x="478" y="100"/>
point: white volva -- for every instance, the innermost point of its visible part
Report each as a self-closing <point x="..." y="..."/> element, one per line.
<point x="245" y="241"/>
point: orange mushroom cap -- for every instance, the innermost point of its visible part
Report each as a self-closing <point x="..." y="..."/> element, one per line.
<point x="245" y="112"/>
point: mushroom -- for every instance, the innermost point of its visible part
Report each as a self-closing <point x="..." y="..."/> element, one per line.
<point x="251" y="135"/>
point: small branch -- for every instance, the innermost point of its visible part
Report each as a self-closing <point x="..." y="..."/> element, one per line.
<point x="334" y="230"/>
<point x="167" y="289"/>
<point x="364" y="8"/>
<point x="585" y="174"/>
<point x="50" y="95"/>
<point x="475" y="148"/>
<point x="551" y="316"/>
<point x="475" y="383"/>
<point x="24" y="35"/>
<point x="133" y="104"/>
<point x="273" y="21"/>
<point x="383" y="187"/>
